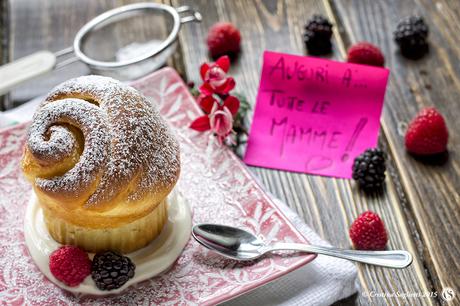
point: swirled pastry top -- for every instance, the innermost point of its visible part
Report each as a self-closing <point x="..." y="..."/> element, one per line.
<point x="95" y="143"/>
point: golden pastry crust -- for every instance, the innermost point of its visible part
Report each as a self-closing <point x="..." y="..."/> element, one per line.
<point x="126" y="238"/>
<point x="99" y="155"/>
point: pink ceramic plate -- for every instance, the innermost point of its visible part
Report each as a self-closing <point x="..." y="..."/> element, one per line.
<point x="217" y="186"/>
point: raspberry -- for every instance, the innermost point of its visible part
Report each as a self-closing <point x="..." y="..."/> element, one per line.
<point x="369" y="169"/>
<point x="427" y="133"/>
<point x="111" y="270"/>
<point x="365" y="53"/>
<point x="317" y="36"/>
<point x="70" y="265"/>
<point x="411" y="36"/>
<point x="223" y="39"/>
<point x="368" y="232"/>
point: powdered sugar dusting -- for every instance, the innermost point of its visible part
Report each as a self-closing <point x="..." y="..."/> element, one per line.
<point x="86" y="117"/>
<point x="125" y="139"/>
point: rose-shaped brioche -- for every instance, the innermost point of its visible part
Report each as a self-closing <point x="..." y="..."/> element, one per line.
<point x="101" y="160"/>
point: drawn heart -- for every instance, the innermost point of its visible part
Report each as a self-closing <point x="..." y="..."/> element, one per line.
<point x="318" y="162"/>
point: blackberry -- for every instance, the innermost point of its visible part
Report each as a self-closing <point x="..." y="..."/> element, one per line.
<point x="317" y="36"/>
<point x="111" y="270"/>
<point x="411" y="35"/>
<point x="369" y="169"/>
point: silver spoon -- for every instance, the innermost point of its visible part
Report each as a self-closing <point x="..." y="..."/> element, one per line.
<point x="239" y="244"/>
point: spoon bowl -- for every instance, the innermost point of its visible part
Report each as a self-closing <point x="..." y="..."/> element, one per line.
<point x="238" y="244"/>
<point x="229" y="241"/>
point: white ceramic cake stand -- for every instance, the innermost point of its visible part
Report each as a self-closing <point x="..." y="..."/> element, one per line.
<point x="150" y="261"/>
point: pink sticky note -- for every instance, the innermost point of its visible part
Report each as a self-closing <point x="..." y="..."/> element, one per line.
<point x="314" y="115"/>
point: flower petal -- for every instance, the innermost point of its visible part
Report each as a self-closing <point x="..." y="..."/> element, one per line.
<point x="220" y="139"/>
<point x="203" y="69"/>
<point x="227" y="121"/>
<point x="233" y="104"/>
<point x="206" y="103"/>
<point x="216" y="124"/>
<point x="226" y="87"/>
<point x="221" y="122"/>
<point x="201" y="124"/>
<point x="228" y="113"/>
<point x="206" y="89"/>
<point x="229" y="85"/>
<point x="224" y="63"/>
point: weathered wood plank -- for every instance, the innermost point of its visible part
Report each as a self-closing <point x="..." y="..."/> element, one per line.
<point x="328" y="205"/>
<point x="432" y="189"/>
<point x="4" y="41"/>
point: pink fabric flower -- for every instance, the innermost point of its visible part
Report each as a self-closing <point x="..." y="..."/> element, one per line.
<point x="221" y="122"/>
<point x="218" y="118"/>
<point x="219" y="107"/>
<point x="215" y="77"/>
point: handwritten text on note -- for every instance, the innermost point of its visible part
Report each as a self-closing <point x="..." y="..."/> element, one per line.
<point x="314" y="115"/>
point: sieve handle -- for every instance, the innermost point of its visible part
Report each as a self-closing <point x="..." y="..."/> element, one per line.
<point x="187" y="14"/>
<point x="24" y="69"/>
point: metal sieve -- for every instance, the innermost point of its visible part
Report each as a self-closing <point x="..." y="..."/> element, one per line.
<point x="124" y="43"/>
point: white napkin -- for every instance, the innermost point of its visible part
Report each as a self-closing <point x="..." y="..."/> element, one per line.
<point x="323" y="281"/>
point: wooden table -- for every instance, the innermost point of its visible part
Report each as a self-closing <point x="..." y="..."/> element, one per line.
<point x="421" y="202"/>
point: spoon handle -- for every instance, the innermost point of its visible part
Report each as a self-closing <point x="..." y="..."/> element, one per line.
<point x="392" y="259"/>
